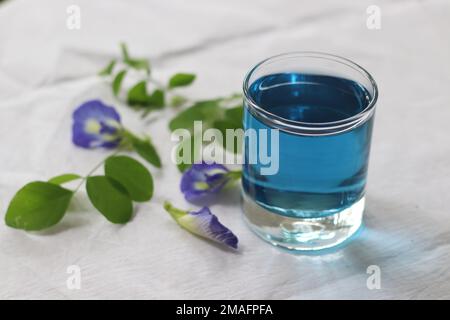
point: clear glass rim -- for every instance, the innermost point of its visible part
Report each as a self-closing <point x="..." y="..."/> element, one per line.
<point x="310" y="128"/>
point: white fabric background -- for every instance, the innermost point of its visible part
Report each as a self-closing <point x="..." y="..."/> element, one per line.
<point x="46" y="70"/>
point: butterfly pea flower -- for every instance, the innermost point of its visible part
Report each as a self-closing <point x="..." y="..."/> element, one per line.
<point x="96" y="125"/>
<point x="202" y="180"/>
<point x="204" y="224"/>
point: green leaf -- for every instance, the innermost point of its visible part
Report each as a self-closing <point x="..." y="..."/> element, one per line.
<point x="177" y="101"/>
<point x="232" y="120"/>
<point x="38" y="205"/>
<point x="124" y="49"/>
<point x="136" y="179"/>
<point x="117" y="82"/>
<point x="139" y="64"/>
<point x="154" y="102"/>
<point x="181" y="80"/>
<point x="110" y="198"/>
<point x="137" y="95"/>
<point x="222" y="126"/>
<point x="147" y="151"/>
<point x="235" y="115"/>
<point x="108" y="69"/>
<point x="63" y="178"/>
<point x="212" y="115"/>
<point x="156" y="99"/>
<point x="206" y="111"/>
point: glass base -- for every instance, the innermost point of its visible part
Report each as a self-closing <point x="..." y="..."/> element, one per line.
<point x="303" y="234"/>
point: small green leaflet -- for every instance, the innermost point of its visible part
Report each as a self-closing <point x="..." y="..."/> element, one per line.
<point x="144" y="148"/>
<point x="205" y="111"/>
<point x="125" y="54"/>
<point x="181" y="80"/>
<point x="209" y="112"/>
<point x="147" y="151"/>
<point x="38" y="205"/>
<point x="117" y="82"/>
<point x="108" y="69"/>
<point x="156" y="99"/>
<point x="136" y="179"/>
<point x="138" y="64"/>
<point x="64" y="178"/>
<point x="110" y="198"/>
<point x="137" y="95"/>
<point x="177" y="101"/>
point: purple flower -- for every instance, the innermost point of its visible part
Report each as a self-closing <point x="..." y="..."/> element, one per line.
<point x="203" y="179"/>
<point x="96" y="125"/>
<point x="203" y="223"/>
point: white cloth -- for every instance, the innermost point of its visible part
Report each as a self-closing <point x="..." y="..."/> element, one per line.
<point x="46" y="70"/>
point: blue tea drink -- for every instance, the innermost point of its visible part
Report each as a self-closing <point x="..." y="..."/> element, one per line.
<point x="316" y="198"/>
<point x="318" y="175"/>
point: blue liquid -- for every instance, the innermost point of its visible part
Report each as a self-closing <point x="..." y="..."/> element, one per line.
<point x="318" y="175"/>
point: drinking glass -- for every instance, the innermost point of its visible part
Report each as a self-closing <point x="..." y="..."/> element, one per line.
<point x="312" y="115"/>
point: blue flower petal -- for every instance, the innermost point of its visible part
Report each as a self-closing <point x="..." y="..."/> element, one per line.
<point x="202" y="180"/>
<point x="206" y="224"/>
<point x="95" y="109"/>
<point x="96" y="125"/>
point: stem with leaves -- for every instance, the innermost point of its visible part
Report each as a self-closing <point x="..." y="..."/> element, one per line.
<point x="138" y="95"/>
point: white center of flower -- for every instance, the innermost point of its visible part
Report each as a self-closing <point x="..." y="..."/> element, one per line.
<point x="200" y="185"/>
<point x="93" y="126"/>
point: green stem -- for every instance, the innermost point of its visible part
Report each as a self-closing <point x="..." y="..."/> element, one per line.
<point x="98" y="165"/>
<point x="128" y="138"/>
